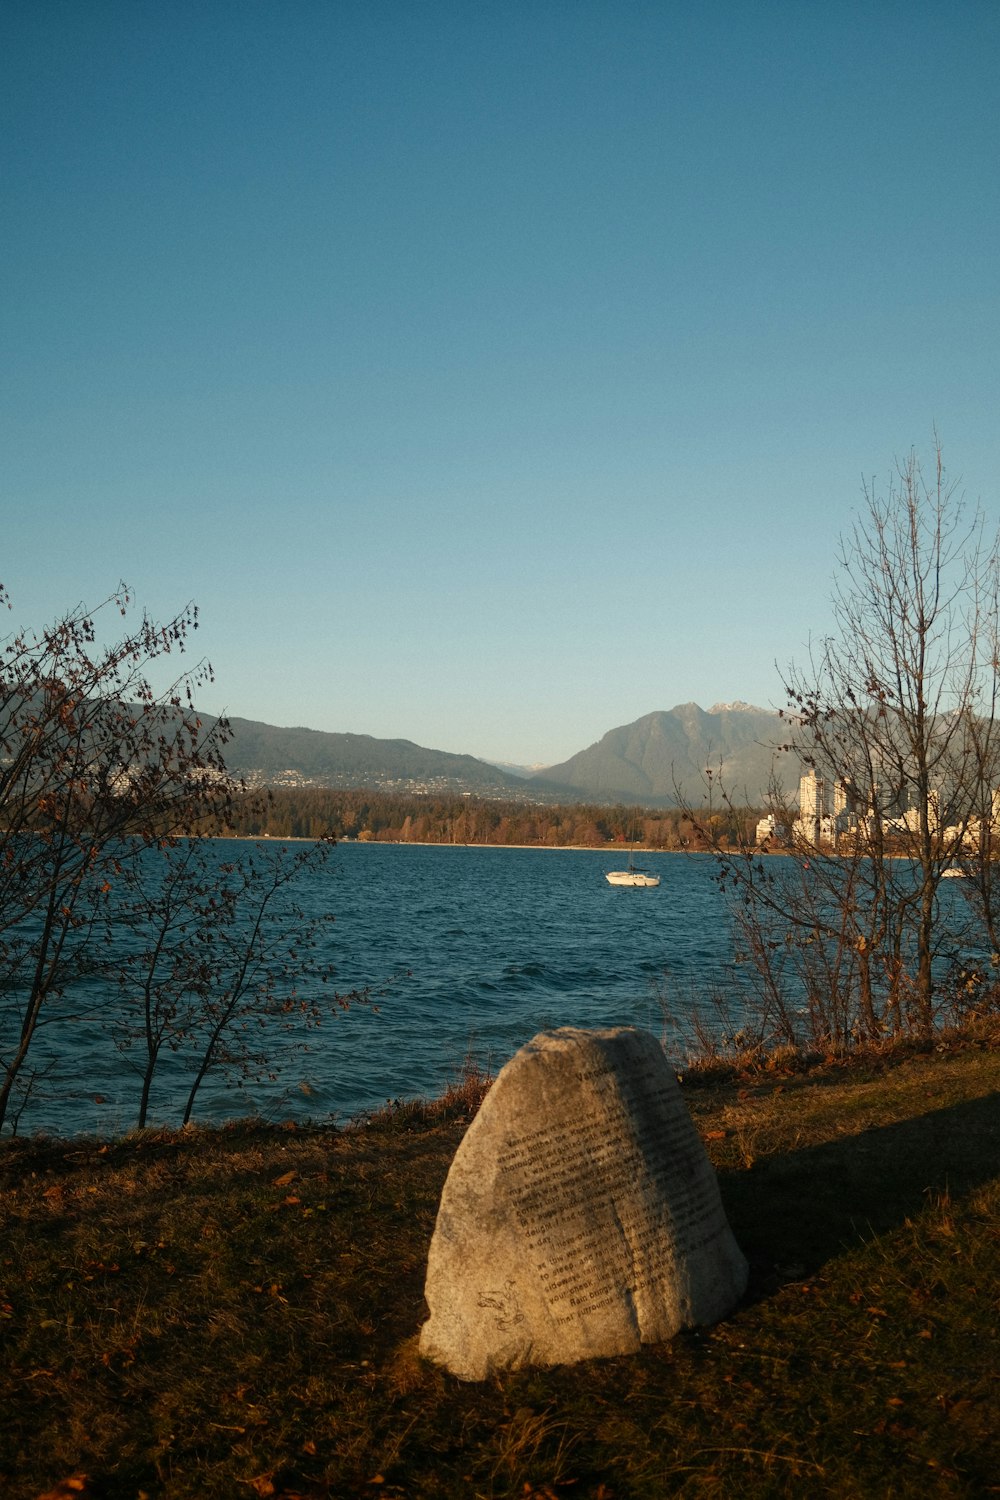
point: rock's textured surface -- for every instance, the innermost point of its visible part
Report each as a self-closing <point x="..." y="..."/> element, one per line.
<point x="581" y="1216"/>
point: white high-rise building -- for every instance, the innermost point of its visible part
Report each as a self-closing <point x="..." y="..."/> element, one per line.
<point x="812" y="796"/>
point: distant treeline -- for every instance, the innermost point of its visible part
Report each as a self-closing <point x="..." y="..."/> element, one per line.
<point x="385" y="817"/>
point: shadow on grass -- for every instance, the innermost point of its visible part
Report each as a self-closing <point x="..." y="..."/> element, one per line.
<point x="793" y="1211"/>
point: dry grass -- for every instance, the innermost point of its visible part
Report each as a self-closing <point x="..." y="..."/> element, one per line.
<point x="234" y="1313"/>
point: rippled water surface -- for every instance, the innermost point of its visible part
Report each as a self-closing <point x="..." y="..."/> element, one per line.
<point x="477" y="948"/>
<point x="501" y="943"/>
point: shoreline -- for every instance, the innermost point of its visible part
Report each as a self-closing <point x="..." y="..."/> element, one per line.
<point x="553" y="848"/>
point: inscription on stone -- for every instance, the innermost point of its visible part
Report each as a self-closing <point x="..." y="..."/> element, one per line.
<point x="581" y="1215"/>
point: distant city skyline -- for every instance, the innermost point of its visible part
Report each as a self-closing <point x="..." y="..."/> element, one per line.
<point x="490" y="376"/>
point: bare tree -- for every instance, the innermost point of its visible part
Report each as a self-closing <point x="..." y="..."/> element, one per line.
<point x="95" y="764"/>
<point x="161" y="974"/>
<point x="894" y="715"/>
<point x="229" y="973"/>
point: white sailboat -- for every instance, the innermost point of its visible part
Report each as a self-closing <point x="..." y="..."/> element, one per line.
<point x="631" y="876"/>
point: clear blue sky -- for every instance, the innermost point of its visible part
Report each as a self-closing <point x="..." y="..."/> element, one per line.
<point x="490" y="374"/>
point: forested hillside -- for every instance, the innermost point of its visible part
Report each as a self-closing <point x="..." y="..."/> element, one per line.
<point x="313" y="812"/>
<point x="265" y="753"/>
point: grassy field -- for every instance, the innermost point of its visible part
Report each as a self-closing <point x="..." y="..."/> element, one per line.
<point x="235" y="1313"/>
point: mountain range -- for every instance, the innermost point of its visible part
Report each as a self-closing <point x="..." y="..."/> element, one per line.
<point x="655" y="761"/>
<point x="266" y="755"/>
<point x="663" y="758"/>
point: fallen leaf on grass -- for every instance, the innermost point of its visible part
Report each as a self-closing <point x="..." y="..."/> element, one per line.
<point x="274" y="1290"/>
<point x="74" y="1486"/>
<point x="285" y="1179"/>
<point x="714" y="1135"/>
<point x="126" y="1353"/>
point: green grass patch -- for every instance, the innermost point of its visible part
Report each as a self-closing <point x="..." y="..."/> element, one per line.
<point x="234" y="1313"/>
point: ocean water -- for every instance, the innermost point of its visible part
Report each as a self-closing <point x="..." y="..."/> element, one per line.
<point x="471" y="950"/>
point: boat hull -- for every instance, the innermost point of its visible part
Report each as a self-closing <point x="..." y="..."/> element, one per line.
<point x="631" y="877"/>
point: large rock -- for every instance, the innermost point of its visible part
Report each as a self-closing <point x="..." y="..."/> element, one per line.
<point x="581" y="1216"/>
